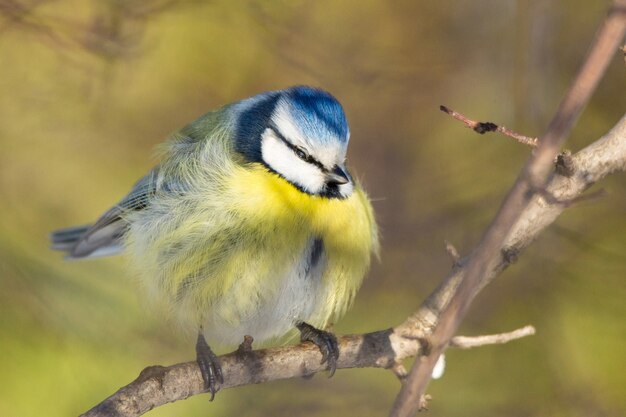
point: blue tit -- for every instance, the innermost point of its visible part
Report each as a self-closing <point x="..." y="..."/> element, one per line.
<point x="250" y="225"/>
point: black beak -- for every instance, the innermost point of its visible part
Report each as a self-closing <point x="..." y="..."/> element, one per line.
<point x="337" y="176"/>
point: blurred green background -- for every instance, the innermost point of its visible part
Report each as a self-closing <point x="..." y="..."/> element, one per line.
<point x="89" y="87"/>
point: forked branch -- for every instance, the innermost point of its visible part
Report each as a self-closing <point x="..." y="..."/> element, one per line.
<point x="535" y="175"/>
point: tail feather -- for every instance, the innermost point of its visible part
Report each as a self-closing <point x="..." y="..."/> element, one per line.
<point x="82" y="242"/>
<point x="104" y="237"/>
<point x="65" y="239"/>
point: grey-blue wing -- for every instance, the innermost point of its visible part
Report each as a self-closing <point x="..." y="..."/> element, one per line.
<point x="104" y="237"/>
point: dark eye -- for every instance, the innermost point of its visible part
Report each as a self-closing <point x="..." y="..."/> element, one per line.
<point x="302" y="154"/>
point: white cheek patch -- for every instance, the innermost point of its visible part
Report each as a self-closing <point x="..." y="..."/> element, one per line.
<point x="283" y="160"/>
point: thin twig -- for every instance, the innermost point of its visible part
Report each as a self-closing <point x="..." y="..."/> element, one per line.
<point x="468" y="342"/>
<point x="536" y="171"/>
<point x="454" y="254"/>
<point x="484" y="127"/>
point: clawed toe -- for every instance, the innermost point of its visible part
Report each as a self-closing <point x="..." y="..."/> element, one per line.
<point x="325" y="341"/>
<point x="209" y="366"/>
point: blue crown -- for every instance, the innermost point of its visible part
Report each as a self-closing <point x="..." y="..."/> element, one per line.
<point x="318" y="114"/>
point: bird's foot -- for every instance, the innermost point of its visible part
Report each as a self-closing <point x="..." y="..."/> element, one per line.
<point x="209" y="366"/>
<point x="325" y="341"/>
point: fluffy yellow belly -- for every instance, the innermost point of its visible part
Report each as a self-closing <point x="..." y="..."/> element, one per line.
<point x="254" y="257"/>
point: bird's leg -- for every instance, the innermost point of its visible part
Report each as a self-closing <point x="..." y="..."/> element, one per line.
<point x="325" y="341"/>
<point x="209" y="366"/>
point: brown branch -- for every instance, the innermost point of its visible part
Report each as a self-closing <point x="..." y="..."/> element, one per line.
<point x="550" y="199"/>
<point x="468" y="342"/>
<point x="536" y="171"/>
<point x="383" y="349"/>
<point x="157" y="385"/>
<point x="484" y="127"/>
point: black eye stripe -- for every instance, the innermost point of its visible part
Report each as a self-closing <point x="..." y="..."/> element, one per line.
<point x="296" y="149"/>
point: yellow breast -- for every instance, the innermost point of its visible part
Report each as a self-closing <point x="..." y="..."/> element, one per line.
<point x="346" y="227"/>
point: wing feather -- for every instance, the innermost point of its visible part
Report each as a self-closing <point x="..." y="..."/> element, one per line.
<point x="104" y="236"/>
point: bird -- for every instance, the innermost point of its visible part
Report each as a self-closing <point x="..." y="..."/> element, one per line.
<point x="250" y="225"/>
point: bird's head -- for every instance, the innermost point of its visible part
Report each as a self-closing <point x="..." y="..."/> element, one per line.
<point x="301" y="134"/>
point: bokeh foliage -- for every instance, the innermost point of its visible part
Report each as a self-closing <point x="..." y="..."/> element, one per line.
<point x="89" y="87"/>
